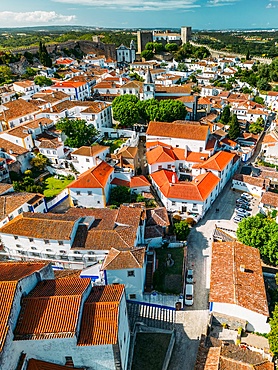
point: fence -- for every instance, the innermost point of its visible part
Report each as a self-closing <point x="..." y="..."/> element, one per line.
<point x="57" y="200"/>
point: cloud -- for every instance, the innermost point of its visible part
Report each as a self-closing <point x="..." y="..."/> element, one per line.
<point x="270" y="6"/>
<point x="37" y="17"/>
<point x="135" y="5"/>
<point x="212" y="3"/>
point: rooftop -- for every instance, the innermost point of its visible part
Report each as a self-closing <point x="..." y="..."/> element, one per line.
<point x="124" y="259"/>
<point x="231" y="285"/>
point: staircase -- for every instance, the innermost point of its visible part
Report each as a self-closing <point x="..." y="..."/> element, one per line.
<point x="149" y="273"/>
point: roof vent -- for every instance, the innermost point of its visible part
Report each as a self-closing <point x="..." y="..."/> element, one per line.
<point x="242" y="268"/>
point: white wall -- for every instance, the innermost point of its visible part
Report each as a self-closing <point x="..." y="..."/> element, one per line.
<point x="133" y="284"/>
<point x="192" y="145"/>
<point x="96" y="200"/>
<point x="256" y="322"/>
<point x="242" y="186"/>
<point x="123" y="333"/>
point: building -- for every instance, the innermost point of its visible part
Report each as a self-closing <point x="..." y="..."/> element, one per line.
<point x="63" y="321"/>
<point x="92" y="188"/>
<point x="186" y="34"/>
<point x="148" y="87"/>
<point x="143" y="37"/>
<point x="26" y="88"/>
<point x="87" y="157"/>
<point x="237" y="285"/>
<point x="126" y="267"/>
<point x="125" y="54"/>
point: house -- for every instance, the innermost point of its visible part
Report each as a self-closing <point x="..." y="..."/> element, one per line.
<point x="92" y="188"/>
<point x="78" y="239"/>
<point x="63" y="321"/>
<point x="16" y="157"/>
<point x="16" y="112"/>
<point x="137" y="184"/>
<point x="51" y="147"/>
<point x="127" y="158"/>
<point x="192" y="136"/>
<point x="157" y="226"/>
<point x="270" y="145"/>
<point x="13" y="204"/>
<point x="65" y="62"/>
<point x="76" y="90"/>
<point x="126" y="267"/>
<point x="132" y="88"/>
<point x="19" y="135"/>
<point x="26" y="87"/>
<point x="87" y="157"/>
<point x="268" y="203"/>
<point x="237" y="285"/>
<point x="250" y="184"/>
<point x="191" y="198"/>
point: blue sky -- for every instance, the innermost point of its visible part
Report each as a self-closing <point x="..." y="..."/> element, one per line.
<point x="200" y="14"/>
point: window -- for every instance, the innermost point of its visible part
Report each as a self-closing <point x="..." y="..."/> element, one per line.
<point x="160" y="167"/>
<point x="33" y="248"/>
<point x="132" y="296"/>
<point x="98" y="202"/>
<point x="130" y="273"/>
<point x="87" y="160"/>
<point x="16" y="237"/>
<point x="78" y="193"/>
<point x="168" y="166"/>
<point x="18" y="246"/>
<point x="60" y="242"/>
<point x="20" y="211"/>
<point x="31" y="239"/>
<point x="46" y="241"/>
<point x="173" y="203"/>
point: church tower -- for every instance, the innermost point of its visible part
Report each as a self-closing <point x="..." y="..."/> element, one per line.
<point x="149" y="86"/>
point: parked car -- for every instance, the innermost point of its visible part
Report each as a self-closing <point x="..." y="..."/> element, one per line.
<point x="246" y="196"/>
<point x="189" y="292"/>
<point x="237" y="218"/>
<point x="243" y="206"/>
<point x="243" y="211"/>
<point x="189" y="277"/>
<point x="242" y="200"/>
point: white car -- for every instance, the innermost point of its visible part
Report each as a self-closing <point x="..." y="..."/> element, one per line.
<point x="188" y="299"/>
<point x="242" y="211"/>
<point x="189" y="277"/>
<point x="237" y="219"/>
<point x="246" y="196"/>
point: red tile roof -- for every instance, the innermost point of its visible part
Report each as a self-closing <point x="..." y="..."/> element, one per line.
<point x="228" y="284"/>
<point x="53" y="311"/>
<point x="199" y="189"/>
<point x="100" y="317"/>
<point x="177" y="129"/>
<point x="43" y="365"/>
<point x="139" y="181"/>
<point x="96" y="177"/>
<point x="90" y="151"/>
<point x="218" y="161"/>
<point x="124" y="259"/>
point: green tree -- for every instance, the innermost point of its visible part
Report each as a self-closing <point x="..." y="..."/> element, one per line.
<point x="234" y="129"/>
<point x="125" y="110"/>
<point x="273" y="335"/>
<point x="260" y="232"/>
<point x="171" y="110"/>
<point x="262" y="84"/>
<point x="248" y="55"/>
<point x="225" y="115"/>
<point x="259" y="100"/>
<point x="257" y="127"/>
<point x="136" y="76"/>
<point x="119" y="195"/>
<point x="40" y="161"/>
<point x="43" y="81"/>
<point x="182" y="67"/>
<point x="5" y="74"/>
<point x="181" y="230"/>
<point x="171" y="47"/>
<point x="151" y="109"/>
<point x="78" y="132"/>
<point x="147" y="54"/>
<point x="44" y="56"/>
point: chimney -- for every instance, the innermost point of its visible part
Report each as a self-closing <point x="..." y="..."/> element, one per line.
<point x="173" y="178"/>
<point x="242" y="268"/>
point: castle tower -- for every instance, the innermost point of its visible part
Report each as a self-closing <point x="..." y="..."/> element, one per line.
<point x="186" y="33"/>
<point x="143" y="37"/>
<point x="149" y="86"/>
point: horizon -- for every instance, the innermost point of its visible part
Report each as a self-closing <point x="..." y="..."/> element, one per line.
<point x="148" y="14"/>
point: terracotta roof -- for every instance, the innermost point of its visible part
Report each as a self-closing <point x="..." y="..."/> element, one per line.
<point x="255" y="181"/>
<point x="51" y="310"/>
<point x="183" y="89"/>
<point x="5" y="187"/>
<point x="12" y="201"/>
<point x="178" y="130"/>
<point x="196" y="157"/>
<point x="127" y="152"/>
<point x="270" y="138"/>
<point x="96" y="177"/>
<point x="32" y="225"/>
<point x="10" y="274"/>
<point x="270" y="199"/>
<point x="160" y="155"/>
<point x="105" y="218"/>
<point x="138" y="181"/>
<point x="90" y="151"/>
<point x="34" y="364"/>
<point x="218" y="161"/>
<point x="124" y="259"/>
<point x="157" y="216"/>
<point x="229" y="285"/>
<point x="68" y="84"/>
<point x="100" y="318"/>
<point x="199" y="189"/>
<point x="120" y="182"/>
<point x="11" y="148"/>
<point x="18" y="108"/>
<point x="25" y="83"/>
<point x="187" y="99"/>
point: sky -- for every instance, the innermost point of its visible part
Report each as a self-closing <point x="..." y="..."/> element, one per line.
<point x="200" y="14"/>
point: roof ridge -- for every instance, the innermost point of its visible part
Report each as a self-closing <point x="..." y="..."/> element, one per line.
<point x="136" y="260"/>
<point x="114" y="257"/>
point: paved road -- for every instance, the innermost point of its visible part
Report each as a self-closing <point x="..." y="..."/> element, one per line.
<point x="191" y="322"/>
